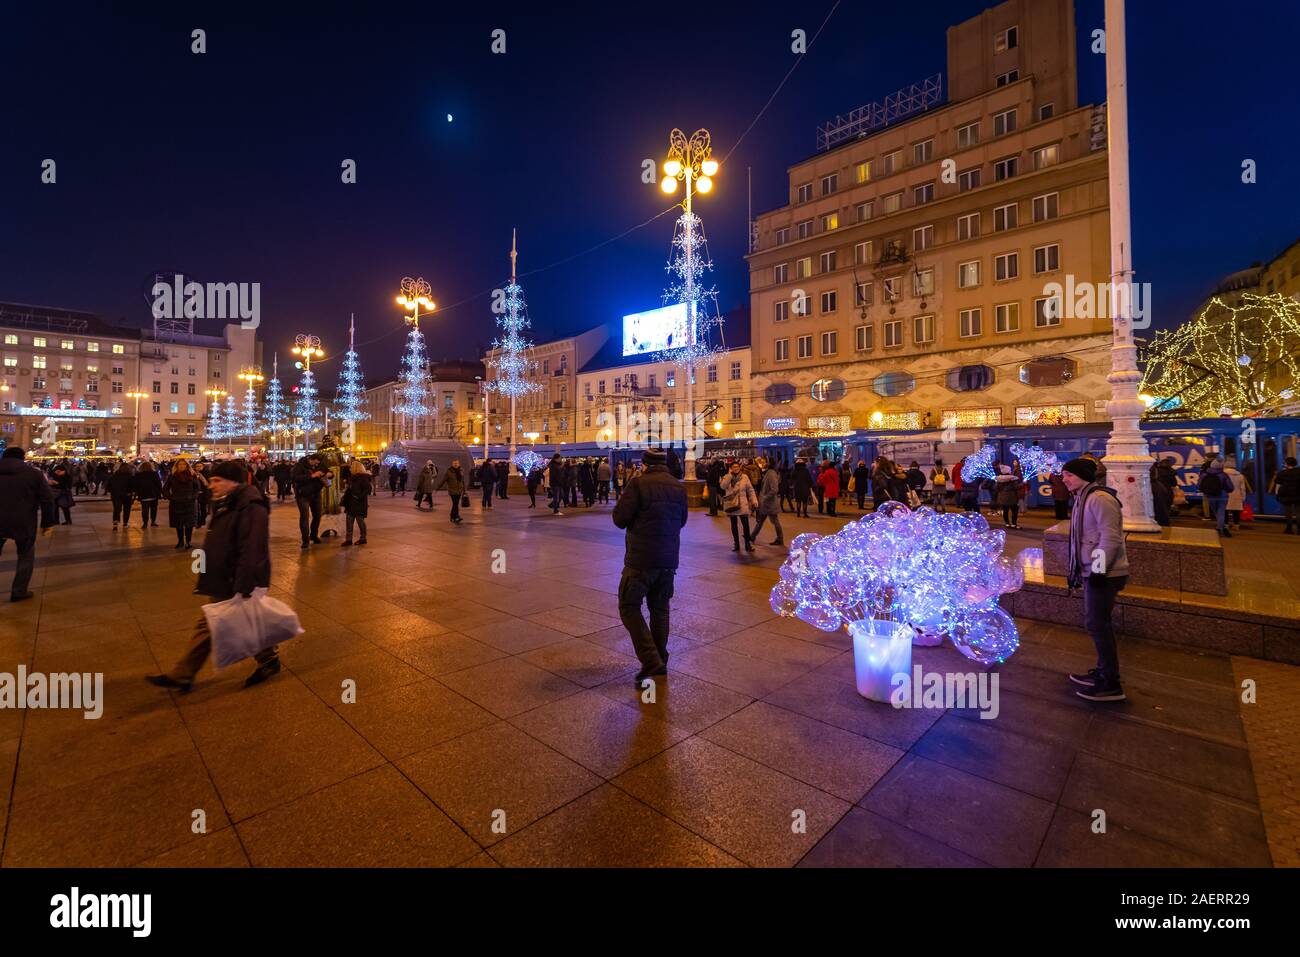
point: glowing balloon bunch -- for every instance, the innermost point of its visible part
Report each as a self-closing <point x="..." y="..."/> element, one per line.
<point x="526" y="460"/>
<point x="979" y="465"/>
<point x="940" y="573"/>
<point x="1035" y="461"/>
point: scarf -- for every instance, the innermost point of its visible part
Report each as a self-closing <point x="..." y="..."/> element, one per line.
<point x="1074" y="575"/>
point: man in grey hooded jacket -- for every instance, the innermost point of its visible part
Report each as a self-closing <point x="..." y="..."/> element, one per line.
<point x="1099" y="565"/>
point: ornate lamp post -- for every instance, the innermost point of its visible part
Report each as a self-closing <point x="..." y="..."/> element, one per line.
<point x="689" y="160"/>
<point x="137" y="395"/>
<point x="414" y="392"/>
<point x="307" y="347"/>
<point x="252" y="376"/>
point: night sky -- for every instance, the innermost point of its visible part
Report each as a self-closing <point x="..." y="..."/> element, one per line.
<point x="226" y="166"/>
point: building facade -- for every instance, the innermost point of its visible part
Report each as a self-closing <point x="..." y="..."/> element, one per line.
<point x="455" y="398"/>
<point x="551" y="410"/>
<point x="908" y="280"/>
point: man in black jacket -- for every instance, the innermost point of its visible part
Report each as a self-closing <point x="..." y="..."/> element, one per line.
<point x="308" y="482"/>
<point x="237" y="559"/>
<point x="653" y="510"/>
<point x="717" y="469"/>
<point x="487" y="477"/>
<point x="503" y="479"/>
<point x="23" y="490"/>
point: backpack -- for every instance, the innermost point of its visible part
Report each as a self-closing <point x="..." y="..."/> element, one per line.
<point x="1212" y="483"/>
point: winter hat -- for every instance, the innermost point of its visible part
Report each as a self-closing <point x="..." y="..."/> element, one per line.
<point x="654" y="457"/>
<point x="1086" y="469"/>
<point x="1005" y="469"/>
<point x="232" y="470"/>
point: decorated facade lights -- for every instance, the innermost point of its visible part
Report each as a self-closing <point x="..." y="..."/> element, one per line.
<point x="690" y="161"/>
<point x="306" y="408"/>
<point x="413" y="392"/>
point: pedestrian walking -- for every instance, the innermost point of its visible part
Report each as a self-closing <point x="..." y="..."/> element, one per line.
<point x="828" y="480"/>
<point x="534" y="480"/>
<point x="1286" y="487"/>
<point x="861" y="483"/>
<point x="503" y="479"/>
<point x="120" y="489"/>
<point x="425" y="484"/>
<point x="939" y="479"/>
<point x="487" y="478"/>
<point x="1098" y="564"/>
<point x="24" y="492"/>
<point x="1060" y="496"/>
<point x="555" y="483"/>
<point x="738" y="503"/>
<point x="602" y="481"/>
<point x="282" y="472"/>
<point x="148" y="489"/>
<point x="769" y="494"/>
<point x="308" y="484"/>
<point x="402" y="476"/>
<point x="652" y="510"/>
<point x="1008" y="496"/>
<point x="454" y="481"/>
<point x="182" y="493"/>
<point x="356" y="500"/>
<point x="394" y="479"/>
<point x="713" y="483"/>
<point x="1215" y="487"/>
<point x="801" y="479"/>
<point x="1236" y="503"/>
<point x="238" y="560"/>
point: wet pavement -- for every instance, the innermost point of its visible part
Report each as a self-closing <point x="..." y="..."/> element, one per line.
<point x="495" y="721"/>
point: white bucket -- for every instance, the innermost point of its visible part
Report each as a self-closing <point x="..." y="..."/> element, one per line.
<point x="881" y="649"/>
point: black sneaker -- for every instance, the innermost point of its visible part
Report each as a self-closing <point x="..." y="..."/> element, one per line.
<point x="263" y="672"/>
<point x="166" y="681"/>
<point x="1102" y="692"/>
<point x="1086" y="680"/>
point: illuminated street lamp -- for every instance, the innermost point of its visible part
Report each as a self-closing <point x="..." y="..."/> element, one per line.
<point x="137" y="395"/>
<point x="306" y="347"/>
<point x="215" y="396"/>
<point x="690" y="161"/>
<point x="413" y="392"/>
<point x="252" y="375"/>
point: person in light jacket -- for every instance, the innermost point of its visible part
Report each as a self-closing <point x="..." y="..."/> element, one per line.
<point x="738" y="502"/>
<point x="1098" y="564"/>
<point x="769" y="502"/>
<point x="1237" y="497"/>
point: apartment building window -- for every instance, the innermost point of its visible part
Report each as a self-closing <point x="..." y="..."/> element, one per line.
<point x="92" y="386"/>
<point x="735" y="371"/>
<point x="864" y="338"/>
<point x="1004" y="123"/>
<point x="863" y="171"/>
<point x="801" y="304"/>
<point x="923" y="330"/>
<point x="783" y="350"/>
<point x="1009" y="77"/>
<point x="782" y="311"/>
<point x="865" y="211"/>
<point x="922" y="152"/>
<point x="830" y="343"/>
<point x="1006" y="317"/>
<point x="600" y="386"/>
<point x="1047" y="311"/>
<point x="175" y="388"/>
<point x="1006" y="266"/>
<point x="862" y="253"/>
<point x="1004" y="217"/>
<point x="830" y="300"/>
<point x="586" y="418"/>
<point x="67" y="344"/>
<point x="804" y="229"/>
<point x="968" y="226"/>
<point x="893" y="333"/>
<point x="923" y="194"/>
<point x="891" y="290"/>
<point x="828" y="261"/>
<point x="968" y="180"/>
<point x="117" y="388"/>
<point x="1046" y="156"/>
<point x="1008" y="39"/>
<point x="830" y="183"/>
<point x="38" y="342"/>
<point x="1045" y="207"/>
<point x="1047" y="111"/>
<point x="922" y="238"/>
<point x="803" y="267"/>
<point x="119" y="349"/>
<point x="174" y="407"/>
<point x="1047" y="258"/>
<point x="891" y="162"/>
<point x="830" y="221"/>
<point x="923" y="283"/>
<point x="968" y="274"/>
<point x="735" y="409"/>
<point x="783" y="235"/>
<point x="805" y="347"/>
<point x="712" y="373"/>
<point x="119" y="370"/>
<point x="805" y="192"/>
<point x="11" y="362"/>
<point x="38" y="362"/>
<point x="546" y="367"/>
<point x="892" y="203"/>
<point x="781" y="273"/>
<point x="968" y="135"/>
<point x="970" y="323"/>
<point x="864" y="293"/>
<point x="1004" y="169"/>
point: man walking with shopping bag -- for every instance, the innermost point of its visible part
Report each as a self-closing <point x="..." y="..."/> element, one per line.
<point x="237" y="560"/>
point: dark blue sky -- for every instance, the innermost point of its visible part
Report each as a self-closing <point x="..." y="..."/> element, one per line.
<point x="226" y="166"/>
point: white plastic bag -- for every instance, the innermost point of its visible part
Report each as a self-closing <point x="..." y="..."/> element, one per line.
<point x="242" y="627"/>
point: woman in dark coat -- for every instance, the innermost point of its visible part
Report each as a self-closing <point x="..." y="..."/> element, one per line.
<point x="148" y="489"/>
<point x="587" y="479"/>
<point x="119" y="490"/>
<point x="534" y="480"/>
<point x="63" y="500"/>
<point x="356" y="500"/>
<point x="182" y="494"/>
<point x="803" y="482"/>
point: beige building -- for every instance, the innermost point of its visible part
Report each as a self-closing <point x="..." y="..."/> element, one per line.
<point x="177" y="370"/>
<point x="611" y="395"/>
<point x="455" y="396"/>
<point x="906" y="281"/>
<point x="64" y="381"/>
<point x="551" y="410"/>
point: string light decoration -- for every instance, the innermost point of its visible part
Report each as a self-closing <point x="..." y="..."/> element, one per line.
<point x="979" y="464"/>
<point x="248" y="424"/>
<point x="349" y="394"/>
<point x="527" y="460"/>
<point x="1035" y="460"/>
<point x="230" y="417"/>
<point x="939" y="574"/>
<point x="306" y="408"/>
<point x="511" y="360"/>
<point x="413" y="392"/>
<point x="215" y="427"/>
<point x="274" y="409"/>
<point x="1240" y="358"/>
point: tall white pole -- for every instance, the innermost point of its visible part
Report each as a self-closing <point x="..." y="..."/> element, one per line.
<point x="689" y="248"/>
<point x="1128" y="458"/>
<point x="513" y="255"/>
